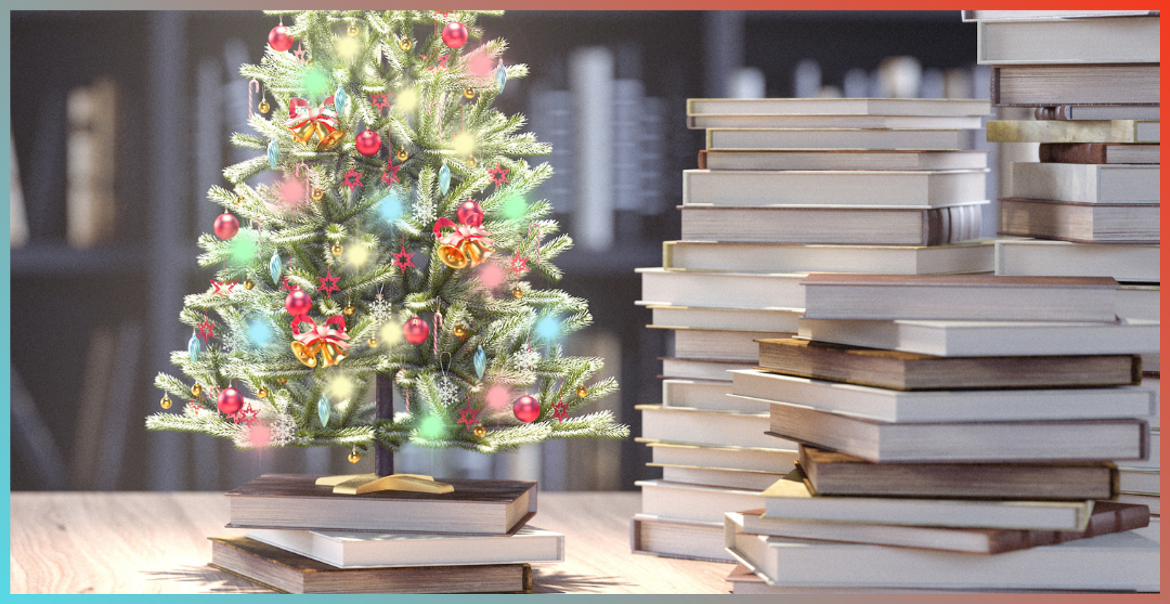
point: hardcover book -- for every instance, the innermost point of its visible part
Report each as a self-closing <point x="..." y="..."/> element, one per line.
<point x="284" y="571"/>
<point x="765" y="120"/>
<point x="1050" y="85"/>
<point x="1087" y="183"/>
<point x="838" y="106"/>
<point x="840" y="159"/>
<point x="911" y="371"/>
<point x="969" y="257"/>
<point x="486" y="507"/>
<point x="1062" y="131"/>
<point x="758" y="459"/>
<point x="833" y="138"/>
<point x="672" y="538"/>
<point x="1132" y="262"/>
<point x="1075" y="41"/>
<point x="920" y="189"/>
<point x="721" y="289"/>
<point x="1100" y="153"/>
<point x="1081" y="222"/>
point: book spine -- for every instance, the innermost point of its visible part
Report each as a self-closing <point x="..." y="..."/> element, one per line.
<point x="702" y="159"/>
<point x="1073" y="153"/>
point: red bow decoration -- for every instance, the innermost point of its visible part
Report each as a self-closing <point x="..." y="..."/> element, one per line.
<point x="321" y="338"/>
<point x="306" y="120"/>
<point x="467" y="246"/>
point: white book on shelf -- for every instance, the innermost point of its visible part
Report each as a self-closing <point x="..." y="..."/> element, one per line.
<point x="721" y="343"/>
<point x="841" y="159"/>
<point x="772" y="319"/>
<point x="969" y="257"/>
<point x="834" y="138"/>
<point x="1087" y="183"/>
<point x="710" y="396"/>
<point x="1132" y="39"/>
<point x="722" y="289"/>
<point x="680" y="501"/>
<point x="838" y="106"/>
<point x="990" y="338"/>
<point x="759" y="459"/>
<point x="730" y="478"/>
<point x="921" y="189"/>
<point x="707" y="369"/>
<point x="1139" y="262"/>
<point x="901" y="406"/>
<point x="765" y="120"/>
<point x="1139" y="302"/>
<point x="673" y="538"/>
<point x="706" y="427"/>
<point x="1144" y="481"/>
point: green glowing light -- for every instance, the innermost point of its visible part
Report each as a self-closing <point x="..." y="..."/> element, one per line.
<point x="515" y="207"/>
<point x="431" y="427"/>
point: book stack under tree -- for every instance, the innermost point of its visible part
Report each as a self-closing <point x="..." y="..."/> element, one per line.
<point x="956" y="433"/>
<point x="785" y="187"/>
<point x="1091" y="205"/>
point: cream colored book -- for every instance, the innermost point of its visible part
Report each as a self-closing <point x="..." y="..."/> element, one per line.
<point x="705" y="427"/>
<point x="721" y="289"/>
<point x="743" y="319"/>
<point x="840" y="159"/>
<point x="672" y="538"/>
<point x="701" y="369"/>
<point x="838" y="106"/>
<point x="1081" y="222"/>
<point x="1133" y="39"/>
<point x="731" y="478"/>
<point x="696" y="503"/>
<point x="709" y="396"/>
<point x="759" y="459"/>
<point x="1085" y="131"/>
<point x="834" y="138"/>
<point x="924" y="189"/>
<point x="1087" y="183"/>
<point x="1131" y="262"/>
<point x="721" y="343"/>
<point x="970" y="257"/>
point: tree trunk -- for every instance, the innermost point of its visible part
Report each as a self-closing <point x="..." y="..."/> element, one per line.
<point x="384" y="397"/>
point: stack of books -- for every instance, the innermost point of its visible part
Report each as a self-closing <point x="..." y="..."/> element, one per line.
<point x="308" y="538"/>
<point x="786" y="187"/>
<point x="1090" y="206"/>
<point x="956" y="433"/>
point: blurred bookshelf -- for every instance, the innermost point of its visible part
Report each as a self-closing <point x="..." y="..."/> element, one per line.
<point x="178" y="96"/>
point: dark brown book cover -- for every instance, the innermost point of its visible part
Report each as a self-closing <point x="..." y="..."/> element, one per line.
<point x="839" y="474"/>
<point x="283" y="571"/>
<point x="1074" y="153"/>
<point x="295" y="501"/>
<point x="702" y="159"/>
<point x="911" y="371"/>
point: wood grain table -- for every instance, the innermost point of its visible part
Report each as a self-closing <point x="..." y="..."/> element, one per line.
<point x="157" y="543"/>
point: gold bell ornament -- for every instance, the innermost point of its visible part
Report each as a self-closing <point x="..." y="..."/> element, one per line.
<point x="471" y="162"/>
<point x="262" y="392"/>
<point x="349" y="310"/>
<point x="329" y="339"/>
<point x="353" y="29"/>
<point x="517" y="292"/>
<point x="468" y="246"/>
<point x="354" y="456"/>
<point x="306" y="122"/>
<point x="249" y="284"/>
<point x="373" y="341"/>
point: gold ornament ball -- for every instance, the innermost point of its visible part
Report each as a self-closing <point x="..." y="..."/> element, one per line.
<point x="353" y="29"/>
<point x="582" y="391"/>
<point x="459" y="331"/>
<point x="517" y="292"/>
<point x="264" y="106"/>
<point x="283" y="381"/>
<point x="196" y="390"/>
<point x="480" y="431"/>
<point x="349" y="310"/>
<point x="318" y="194"/>
<point x="471" y="162"/>
<point x="165" y="403"/>
<point x="404" y="44"/>
<point x="262" y="392"/>
<point x="337" y="249"/>
<point x="373" y="342"/>
<point x="402" y="155"/>
<point x="354" y="456"/>
<point x="469" y="93"/>
<point x="249" y="284"/>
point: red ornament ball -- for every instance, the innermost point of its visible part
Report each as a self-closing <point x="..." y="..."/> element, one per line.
<point x="279" y="39"/>
<point x="416" y="331"/>
<point x="226" y="226"/>
<point x="526" y="409"/>
<point x="230" y="401"/>
<point x="455" y="34"/>
<point x="368" y="143"/>
<point x="298" y="302"/>
<point x="470" y="213"/>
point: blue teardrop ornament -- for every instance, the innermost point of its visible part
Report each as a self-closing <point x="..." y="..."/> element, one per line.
<point x="339" y="100"/>
<point x="501" y="77"/>
<point x="193" y="347"/>
<point x="323" y="410"/>
<point x="273" y="154"/>
<point x="274" y="266"/>
<point x="480" y="362"/>
<point x="444" y="178"/>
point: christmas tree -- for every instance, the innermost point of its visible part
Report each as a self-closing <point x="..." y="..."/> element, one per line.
<point x="387" y="250"/>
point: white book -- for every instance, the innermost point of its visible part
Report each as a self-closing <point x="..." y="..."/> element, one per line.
<point x="680" y="501"/>
<point x="838" y="106"/>
<point x="921" y="189"/>
<point x="701" y="369"/>
<point x="1039" y="15"/>
<point x="704" y="427"/>
<point x="833" y="138"/>
<point x="1102" y="112"/>
<point x="672" y="538"/>
<point x="1118" y="561"/>
<point x="790" y="498"/>
<point x="1076" y="41"/>
<point x="346" y="549"/>
<point x="718" y="477"/>
<point x="959" y="297"/>
<point x="989" y="338"/>
<point x="1039" y="258"/>
<point x="1087" y="183"/>
<point x="898" y="406"/>
<point x="758" y="459"/>
<point x="721" y="343"/>
<point x="744" y="120"/>
<point x="1153" y="501"/>
<point x="972" y="257"/>
<point x="722" y="290"/>
<point x="1139" y="481"/>
<point x="773" y="319"/>
<point x="1139" y="302"/>
<point x="1153" y="461"/>
<point x="1154" y="384"/>
<point x="709" y="396"/>
<point x="841" y="159"/>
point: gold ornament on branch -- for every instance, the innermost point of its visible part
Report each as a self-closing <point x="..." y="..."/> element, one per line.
<point x="373" y="341"/>
<point x="249" y="284"/>
<point x="262" y="392"/>
<point x="582" y="391"/>
<point x="263" y="106"/>
<point x="282" y="381"/>
<point x="165" y="403"/>
<point x="517" y="292"/>
<point x="402" y="155"/>
<point x="196" y="390"/>
<point x="353" y="29"/>
<point x="459" y="330"/>
<point x="469" y="93"/>
<point x="318" y="194"/>
<point x="354" y="456"/>
<point x="404" y="44"/>
<point x="480" y="431"/>
<point x="471" y="162"/>
<point x="337" y="249"/>
<point x="349" y="310"/>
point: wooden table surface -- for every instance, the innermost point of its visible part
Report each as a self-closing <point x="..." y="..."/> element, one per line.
<point x="157" y="543"/>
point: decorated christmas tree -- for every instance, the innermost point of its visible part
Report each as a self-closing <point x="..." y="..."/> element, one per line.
<point x="380" y="240"/>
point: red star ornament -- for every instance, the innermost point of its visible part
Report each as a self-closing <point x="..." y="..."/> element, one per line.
<point x="381" y="101"/>
<point x="352" y="179"/>
<point x="561" y="411"/>
<point x="402" y="259"/>
<point x="218" y="284"/>
<point x="498" y="175"/>
<point x="328" y="284"/>
<point x="390" y="176"/>
<point x="519" y="264"/>
<point x="468" y="417"/>
<point x="247" y="415"/>
<point x="206" y="330"/>
<point x="286" y="286"/>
